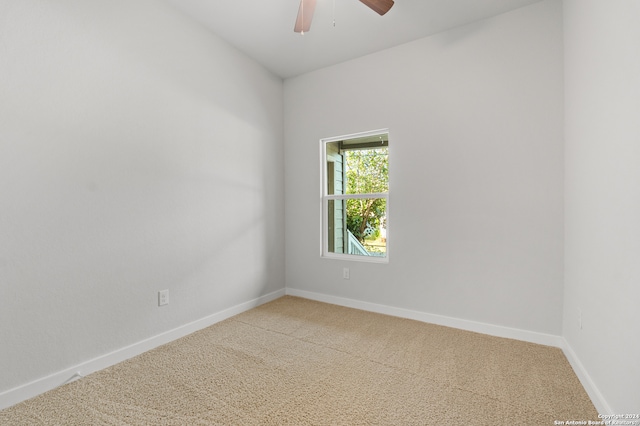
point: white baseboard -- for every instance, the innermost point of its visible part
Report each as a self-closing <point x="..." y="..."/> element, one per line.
<point x="478" y="327"/>
<point x="44" y="384"/>
<point x="587" y="383"/>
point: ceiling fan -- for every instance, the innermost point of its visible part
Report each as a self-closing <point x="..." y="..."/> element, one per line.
<point x="305" y="12"/>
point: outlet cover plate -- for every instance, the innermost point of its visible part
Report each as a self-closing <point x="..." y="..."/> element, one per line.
<point x="163" y="297"/>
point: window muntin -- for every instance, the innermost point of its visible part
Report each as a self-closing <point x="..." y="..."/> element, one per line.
<point x="355" y="196"/>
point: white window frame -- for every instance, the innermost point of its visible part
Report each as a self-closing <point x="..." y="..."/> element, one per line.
<point x="325" y="198"/>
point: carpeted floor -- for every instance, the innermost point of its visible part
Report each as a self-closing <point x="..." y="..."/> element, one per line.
<point x="299" y="362"/>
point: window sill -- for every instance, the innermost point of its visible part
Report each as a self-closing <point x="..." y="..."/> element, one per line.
<point x="356" y="258"/>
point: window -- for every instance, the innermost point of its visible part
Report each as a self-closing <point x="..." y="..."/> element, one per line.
<point x="355" y="196"/>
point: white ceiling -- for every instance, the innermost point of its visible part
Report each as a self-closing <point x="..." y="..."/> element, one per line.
<point x="263" y="29"/>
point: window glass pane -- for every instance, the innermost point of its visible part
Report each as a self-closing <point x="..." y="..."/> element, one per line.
<point x="335" y="169"/>
<point x="367" y="170"/>
<point x="358" y="226"/>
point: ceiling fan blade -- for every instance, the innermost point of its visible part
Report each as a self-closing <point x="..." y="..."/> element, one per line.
<point x="305" y="14"/>
<point x="379" y="6"/>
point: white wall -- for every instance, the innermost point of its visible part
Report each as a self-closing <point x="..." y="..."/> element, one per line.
<point x="476" y="209"/>
<point x="138" y="152"/>
<point x="602" y="238"/>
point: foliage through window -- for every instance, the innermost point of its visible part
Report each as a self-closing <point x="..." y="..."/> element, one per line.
<point x="355" y="196"/>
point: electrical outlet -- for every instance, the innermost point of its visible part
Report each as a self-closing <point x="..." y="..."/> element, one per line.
<point x="345" y="273"/>
<point x="163" y="297"/>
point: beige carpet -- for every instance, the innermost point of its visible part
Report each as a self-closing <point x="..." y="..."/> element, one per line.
<point x="300" y="362"/>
